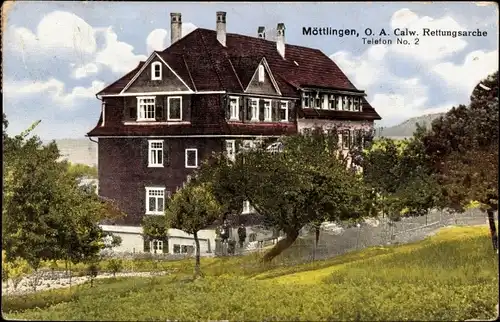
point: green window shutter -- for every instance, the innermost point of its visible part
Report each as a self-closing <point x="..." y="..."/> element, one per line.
<point x="241" y="108"/>
<point x="261" y="110"/>
<point x="275" y="106"/>
<point x="248" y="109"/>
<point x="291" y="110"/>
<point x="147" y="247"/>
<point x="165" y="245"/>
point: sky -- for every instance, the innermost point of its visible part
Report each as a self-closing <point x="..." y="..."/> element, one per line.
<point x="57" y="60"/>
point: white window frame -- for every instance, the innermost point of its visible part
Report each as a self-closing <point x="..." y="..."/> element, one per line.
<point x="156" y="150"/>
<point x="236" y="115"/>
<point x="150" y="189"/>
<point x="286" y="110"/>
<point x="255" y="116"/>
<point x="261" y="73"/>
<point x="142" y="108"/>
<point x="357" y="104"/>
<point x="168" y="108"/>
<point x="268" y="109"/>
<point x="159" y="244"/>
<point x="247" y="207"/>
<point x="324" y="102"/>
<point x="231" y="156"/>
<point x="339" y="101"/>
<point x="153" y="71"/>
<point x="186" y="158"/>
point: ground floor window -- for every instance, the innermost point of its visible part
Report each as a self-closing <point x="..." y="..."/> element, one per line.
<point x="183" y="249"/>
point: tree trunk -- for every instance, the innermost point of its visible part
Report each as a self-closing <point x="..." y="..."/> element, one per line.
<point x="291" y="236"/>
<point x="316" y="241"/>
<point x="493" y="228"/>
<point x="197" y="271"/>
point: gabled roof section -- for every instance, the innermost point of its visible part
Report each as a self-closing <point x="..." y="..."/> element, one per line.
<point x="263" y="62"/>
<point x="148" y="61"/>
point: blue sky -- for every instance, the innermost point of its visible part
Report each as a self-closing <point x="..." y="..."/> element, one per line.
<point x="55" y="61"/>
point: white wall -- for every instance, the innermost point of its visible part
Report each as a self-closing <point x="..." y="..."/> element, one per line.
<point x="132" y="240"/>
<point x="329" y="124"/>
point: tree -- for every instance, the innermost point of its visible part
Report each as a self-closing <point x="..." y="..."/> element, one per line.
<point x="396" y="172"/>
<point x="308" y="181"/>
<point x="155" y="227"/>
<point x="192" y="209"/>
<point x="46" y="214"/>
<point x="462" y="151"/>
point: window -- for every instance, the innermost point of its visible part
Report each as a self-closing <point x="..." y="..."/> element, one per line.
<point x="338" y="100"/>
<point x="305" y="99"/>
<point x="231" y="149"/>
<point x="247" y="208"/>
<point x="324" y="102"/>
<point x="346" y="139"/>
<point x="344" y="103"/>
<point x="183" y="249"/>
<point x="155" y="153"/>
<point x="255" y="109"/>
<point x="317" y="101"/>
<point x="156" y="246"/>
<point x="332" y="103"/>
<point x="174" y="108"/>
<point x="155" y="201"/>
<point x="267" y="111"/>
<point x="191" y="158"/>
<point x="156" y="71"/>
<point x="234" y="108"/>
<point x="261" y="74"/>
<point x="146" y="107"/>
<point x="284" y="111"/>
<point x="357" y="103"/>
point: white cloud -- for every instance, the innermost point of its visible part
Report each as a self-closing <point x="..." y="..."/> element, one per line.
<point x="55" y="89"/>
<point x="158" y="39"/>
<point x="57" y="30"/>
<point x="86" y="70"/>
<point x="118" y="55"/>
<point x="476" y="66"/>
<point x="366" y="69"/>
<point x="428" y="48"/>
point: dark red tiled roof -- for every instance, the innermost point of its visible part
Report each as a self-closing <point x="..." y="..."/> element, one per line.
<point x="205" y="65"/>
<point x="200" y="59"/>
<point x="117" y="86"/>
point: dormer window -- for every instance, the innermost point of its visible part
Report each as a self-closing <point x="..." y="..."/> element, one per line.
<point x="156" y="71"/>
<point x="261" y="74"/>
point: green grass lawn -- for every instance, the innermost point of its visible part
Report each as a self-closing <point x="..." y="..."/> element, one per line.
<point x="450" y="276"/>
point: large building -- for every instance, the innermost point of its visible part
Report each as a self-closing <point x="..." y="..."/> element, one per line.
<point x="210" y="91"/>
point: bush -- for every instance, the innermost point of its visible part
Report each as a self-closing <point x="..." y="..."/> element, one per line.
<point x="115" y="265"/>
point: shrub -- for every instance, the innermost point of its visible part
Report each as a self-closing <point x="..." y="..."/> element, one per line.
<point x="115" y="265"/>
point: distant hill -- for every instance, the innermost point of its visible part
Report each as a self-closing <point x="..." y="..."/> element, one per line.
<point x="408" y="127"/>
<point x="81" y="151"/>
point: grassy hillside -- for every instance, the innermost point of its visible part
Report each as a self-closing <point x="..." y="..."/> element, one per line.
<point x="450" y="276"/>
<point x="408" y="127"/>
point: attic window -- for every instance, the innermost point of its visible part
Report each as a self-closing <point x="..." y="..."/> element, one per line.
<point x="156" y="71"/>
<point x="261" y="74"/>
<point x="296" y="63"/>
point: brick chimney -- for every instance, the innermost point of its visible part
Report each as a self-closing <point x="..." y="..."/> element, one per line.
<point x="175" y="27"/>
<point x="280" y="39"/>
<point x="261" y="32"/>
<point x="220" y="27"/>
